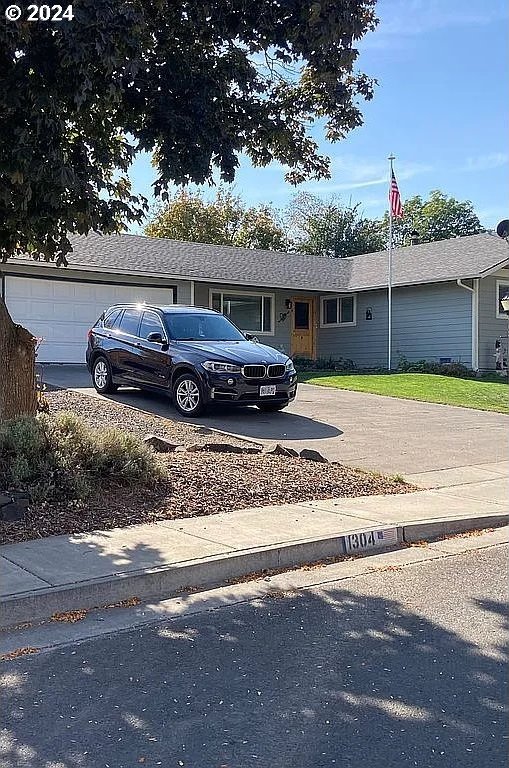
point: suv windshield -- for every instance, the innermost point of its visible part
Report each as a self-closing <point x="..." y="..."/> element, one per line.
<point x="195" y="327"/>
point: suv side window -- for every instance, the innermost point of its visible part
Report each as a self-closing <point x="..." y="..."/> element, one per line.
<point x="130" y="321"/>
<point x="111" y="320"/>
<point x="151" y="323"/>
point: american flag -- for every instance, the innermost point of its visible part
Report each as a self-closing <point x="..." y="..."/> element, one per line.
<point x="395" y="198"/>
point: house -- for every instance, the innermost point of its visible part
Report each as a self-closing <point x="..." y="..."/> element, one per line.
<point x="445" y="296"/>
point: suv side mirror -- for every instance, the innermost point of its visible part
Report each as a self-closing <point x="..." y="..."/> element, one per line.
<point x="251" y="337"/>
<point x="156" y="338"/>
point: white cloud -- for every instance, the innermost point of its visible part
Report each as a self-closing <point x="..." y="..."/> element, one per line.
<point x="349" y="172"/>
<point x="486" y="162"/>
<point x="403" y="19"/>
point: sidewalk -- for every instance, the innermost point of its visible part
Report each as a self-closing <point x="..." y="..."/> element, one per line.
<point x="63" y="573"/>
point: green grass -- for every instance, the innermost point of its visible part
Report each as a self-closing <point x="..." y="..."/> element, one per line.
<point x="487" y="393"/>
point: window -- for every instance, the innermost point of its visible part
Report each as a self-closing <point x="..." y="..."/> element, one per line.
<point x="301" y="315"/>
<point x="194" y="326"/>
<point x="112" y="318"/>
<point x="502" y="290"/>
<point x="151" y="324"/>
<point x="130" y="321"/>
<point x="253" y="312"/>
<point x="338" y="310"/>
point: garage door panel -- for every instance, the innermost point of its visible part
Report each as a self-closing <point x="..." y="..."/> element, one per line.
<point x="61" y="312"/>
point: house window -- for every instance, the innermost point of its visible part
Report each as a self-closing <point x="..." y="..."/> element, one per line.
<point x="502" y="290"/>
<point x="338" y="310"/>
<point x="253" y="312"/>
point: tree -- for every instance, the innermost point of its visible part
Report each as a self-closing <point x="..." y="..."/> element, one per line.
<point x="437" y="218"/>
<point x="226" y="220"/>
<point x="330" y="228"/>
<point x="194" y="82"/>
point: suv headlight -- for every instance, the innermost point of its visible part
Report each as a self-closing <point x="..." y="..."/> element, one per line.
<point x="290" y="368"/>
<point x="216" y="367"/>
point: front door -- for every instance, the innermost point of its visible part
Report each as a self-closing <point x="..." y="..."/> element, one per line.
<point x="303" y="331"/>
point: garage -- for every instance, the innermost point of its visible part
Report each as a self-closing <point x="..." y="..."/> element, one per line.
<point x="62" y="311"/>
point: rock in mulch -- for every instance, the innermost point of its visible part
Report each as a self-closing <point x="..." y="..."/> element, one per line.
<point x="159" y="444"/>
<point x="224" y="448"/>
<point x="310" y="455"/>
<point x="13" y="506"/>
<point x="279" y="450"/>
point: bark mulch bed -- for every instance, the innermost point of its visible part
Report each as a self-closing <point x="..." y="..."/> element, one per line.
<point x="99" y="412"/>
<point x="198" y="483"/>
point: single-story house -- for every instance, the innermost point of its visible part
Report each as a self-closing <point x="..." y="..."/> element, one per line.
<point x="446" y="296"/>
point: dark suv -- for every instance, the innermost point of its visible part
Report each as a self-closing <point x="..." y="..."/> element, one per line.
<point x="195" y="355"/>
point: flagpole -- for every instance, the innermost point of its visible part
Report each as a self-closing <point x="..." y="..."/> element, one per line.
<point x="391" y="158"/>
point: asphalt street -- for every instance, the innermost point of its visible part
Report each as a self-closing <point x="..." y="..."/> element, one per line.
<point x="399" y="667"/>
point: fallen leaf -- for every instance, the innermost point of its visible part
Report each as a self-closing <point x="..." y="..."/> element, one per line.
<point x="69" y="616"/>
<point x="18" y="652"/>
<point x="128" y="603"/>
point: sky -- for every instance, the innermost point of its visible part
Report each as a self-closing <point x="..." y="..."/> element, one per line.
<point x="441" y="107"/>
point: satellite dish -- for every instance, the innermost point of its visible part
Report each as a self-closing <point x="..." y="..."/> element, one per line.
<point x="503" y="228"/>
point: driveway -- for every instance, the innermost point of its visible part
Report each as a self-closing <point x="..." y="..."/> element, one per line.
<point x="378" y="433"/>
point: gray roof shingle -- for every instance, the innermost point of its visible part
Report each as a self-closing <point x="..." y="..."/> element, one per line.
<point x="440" y="261"/>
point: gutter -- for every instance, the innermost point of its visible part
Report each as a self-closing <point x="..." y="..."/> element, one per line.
<point x="475" y="319"/>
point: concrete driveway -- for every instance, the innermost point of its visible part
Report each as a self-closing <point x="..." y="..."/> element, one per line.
<point x="384" y="434"/>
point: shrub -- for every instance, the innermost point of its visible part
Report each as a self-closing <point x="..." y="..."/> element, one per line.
<point x="323" y="364"/>
<point x="60" y="457"/>
<point x="441" y="369"/>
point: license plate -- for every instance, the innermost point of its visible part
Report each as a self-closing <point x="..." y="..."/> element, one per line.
<point x="268" y="389"/>
<point x="360" y="542"/>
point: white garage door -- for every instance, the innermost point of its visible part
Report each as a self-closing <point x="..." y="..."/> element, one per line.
<point x="61" y="312"/>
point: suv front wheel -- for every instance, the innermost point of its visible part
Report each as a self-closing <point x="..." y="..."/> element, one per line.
<point x="187" y="395"/>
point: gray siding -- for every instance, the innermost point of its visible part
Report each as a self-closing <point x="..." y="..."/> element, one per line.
<point x="281" y="338"/>
<point x="364" y="343"/>
<point x="429" y="322"/>
<point x="490" y="326"/>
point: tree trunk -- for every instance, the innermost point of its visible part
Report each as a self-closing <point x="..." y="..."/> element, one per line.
<point x="18" y="395"/>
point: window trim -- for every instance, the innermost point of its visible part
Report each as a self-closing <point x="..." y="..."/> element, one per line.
<point x="258" y="294"/>
<point x="338" y="296"/>
<point x="126" y="333"/>
<point x="500" y="315"/>
<point x="164" y="333"/>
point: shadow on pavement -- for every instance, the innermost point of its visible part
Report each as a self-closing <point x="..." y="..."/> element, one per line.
<point x="248" y="422"/>
<point x="315" y="679"/>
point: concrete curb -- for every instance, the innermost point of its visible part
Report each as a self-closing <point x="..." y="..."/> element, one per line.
<point x="165" y="581"/>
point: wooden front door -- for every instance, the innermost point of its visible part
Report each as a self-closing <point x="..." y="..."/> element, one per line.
<point x="303" y="327"/>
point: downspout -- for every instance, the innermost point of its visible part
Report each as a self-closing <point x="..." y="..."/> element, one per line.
<point x="192" y="293"/>
<point x="475" y="319"/>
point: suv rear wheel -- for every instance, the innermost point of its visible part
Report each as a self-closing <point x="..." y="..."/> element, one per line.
<point x="101" y="376"/>
<point x="187" y="395"/>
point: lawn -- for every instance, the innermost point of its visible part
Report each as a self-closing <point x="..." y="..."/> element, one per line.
<point x="488" y="393"/>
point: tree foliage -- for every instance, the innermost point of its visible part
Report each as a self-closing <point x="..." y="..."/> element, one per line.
<point x="331" y="228"/>
<point x="195" y="82"/>
<point x="225" y="220"/>
<point x="437" y="218"/>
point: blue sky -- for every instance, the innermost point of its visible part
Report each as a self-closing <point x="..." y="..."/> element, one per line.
<point x="441" y="106"/>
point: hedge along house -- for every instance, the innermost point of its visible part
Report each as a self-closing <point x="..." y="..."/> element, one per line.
<point x="445" y="296"/>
